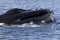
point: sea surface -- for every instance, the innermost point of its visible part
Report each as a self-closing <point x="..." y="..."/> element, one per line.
<point x="50" y="31"/>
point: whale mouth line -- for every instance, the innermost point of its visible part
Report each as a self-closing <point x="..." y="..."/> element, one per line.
<point x="37" y="20"/>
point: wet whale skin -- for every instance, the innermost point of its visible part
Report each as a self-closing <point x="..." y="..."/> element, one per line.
<point x="20" y="16"/>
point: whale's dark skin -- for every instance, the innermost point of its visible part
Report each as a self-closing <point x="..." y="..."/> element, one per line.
<point x="25" y="16"/>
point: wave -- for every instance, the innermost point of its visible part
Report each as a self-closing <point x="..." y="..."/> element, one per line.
<point x="31" y="24"/>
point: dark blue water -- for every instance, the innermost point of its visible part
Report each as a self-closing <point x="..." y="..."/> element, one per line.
<point x="31" y="32"/>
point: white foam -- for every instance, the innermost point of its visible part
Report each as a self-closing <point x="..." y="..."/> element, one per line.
<point x="1" y="24"/>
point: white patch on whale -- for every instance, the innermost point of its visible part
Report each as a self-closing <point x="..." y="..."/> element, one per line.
<point x="43" y="21"/>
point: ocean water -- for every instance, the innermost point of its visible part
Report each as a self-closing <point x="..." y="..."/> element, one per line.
<point x="49" y="31"/>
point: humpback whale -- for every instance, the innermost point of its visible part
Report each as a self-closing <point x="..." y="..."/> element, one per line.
<point x="20" y="16"/>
